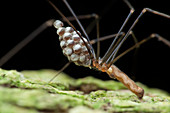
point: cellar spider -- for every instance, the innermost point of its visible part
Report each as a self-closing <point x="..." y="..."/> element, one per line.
<point x="81" y="47"/>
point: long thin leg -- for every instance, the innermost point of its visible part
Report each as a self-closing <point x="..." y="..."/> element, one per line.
<point x="154" y="35"/>
<point x="96" y="21"/>
<point x="114" y="35"/>
<point x="106" y="8"/>
<point x="117" y="43"/>
<point x="86" y="16"/>
<point x="106" y="37"/>
<point x="24" y="42"/>
<point x="135" y="22"/>
<point x="98" y="36"/>
<point x="110" y="50"/>
<point x="160" y="38"/>
<point x="62" y="69"/>
<point x="79" y="23"/>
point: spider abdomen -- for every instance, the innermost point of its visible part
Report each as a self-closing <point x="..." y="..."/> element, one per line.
<point x="73" y="46"/>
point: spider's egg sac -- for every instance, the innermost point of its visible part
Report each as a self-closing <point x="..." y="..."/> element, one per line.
<point x="73" y="46"/>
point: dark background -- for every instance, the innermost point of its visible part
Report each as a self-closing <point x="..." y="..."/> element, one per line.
<point x="150" y="66"/>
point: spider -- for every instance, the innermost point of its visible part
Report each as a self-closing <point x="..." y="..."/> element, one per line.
<point x="77" y="47"/>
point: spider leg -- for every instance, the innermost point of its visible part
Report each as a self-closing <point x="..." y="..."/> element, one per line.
<point x="62" y="69"/>
<point x="74" y="15"/>
<point x="112" y="55"/>
<point x="111" y="49"/>
<point x="26" y="40"/>
<point x="105" y="37"/>
<point x="81" y="17"/>
<point x="154" y="35"/>
<point x="135" y="22"/>
<point x="117" y="43"/>
<point x="114" y="35"/>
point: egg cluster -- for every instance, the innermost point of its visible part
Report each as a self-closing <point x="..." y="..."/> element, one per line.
<point x="73" y="46"/>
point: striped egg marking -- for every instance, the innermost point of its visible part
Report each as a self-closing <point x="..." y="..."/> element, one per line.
<point x="70" y="43"/>
<point x="77" y="48"/>
<point x="60" y="31"/>
<point x="67" y="36"/>
<point x="67" y="51"/>
<point x="74" y="57"/>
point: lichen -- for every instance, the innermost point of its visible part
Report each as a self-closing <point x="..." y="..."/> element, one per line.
<point x="29" y="91"/>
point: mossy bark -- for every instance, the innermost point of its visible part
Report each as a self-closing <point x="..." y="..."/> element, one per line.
<point x="29" y="91"/>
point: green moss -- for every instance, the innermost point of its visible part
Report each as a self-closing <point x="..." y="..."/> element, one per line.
<point x="30" y="92"/>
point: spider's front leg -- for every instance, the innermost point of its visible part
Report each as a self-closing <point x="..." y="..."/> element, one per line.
<point x="115" y="72"/>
